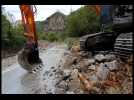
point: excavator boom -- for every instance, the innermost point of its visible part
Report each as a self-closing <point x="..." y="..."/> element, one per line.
<point x="28" y="22"/>
<point x="29" y="56"/>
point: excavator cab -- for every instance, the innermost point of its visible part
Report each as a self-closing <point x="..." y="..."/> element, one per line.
<point x="28" y="58"/>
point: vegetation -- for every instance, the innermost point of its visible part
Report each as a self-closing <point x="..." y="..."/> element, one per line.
<point x="81" y="22"/>
<point x="12" y="36"/>
<point x="78" y="23"/>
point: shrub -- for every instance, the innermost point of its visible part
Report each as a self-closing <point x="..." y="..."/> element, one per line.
<point x="82" y="21"/>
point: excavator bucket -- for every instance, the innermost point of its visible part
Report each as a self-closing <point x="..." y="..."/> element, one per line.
<point x="29" y="59"/>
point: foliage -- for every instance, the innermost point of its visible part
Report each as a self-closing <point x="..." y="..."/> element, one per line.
<point x="81" y="22"/>
<point x="39" y="26"/>
<point x="12" y="37"/>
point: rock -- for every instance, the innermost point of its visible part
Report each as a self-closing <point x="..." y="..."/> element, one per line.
<point x="99" y="57"/>
<point x="54" y="70"/>
<point x="84" y="64"/>
<point x="66" y="53"/>
<point x="62" y="85"/>
<point x="74" y="84"/>
<point x="66" y="72"/>
<point x="102" y="72"/>
<point x="69" y="60"/>
<point x="110" y="57"/>
<point x="86" y="54"/>
<point x="113" y="65"/>
<point x="127" y="87"/>
<point x="52" y="67"/>
<point x="74" y="74"/>
<point x="91" y="61"/>
<point x="75" y="49"/>
<point x="93" y="77"/>
<point x="92" y="67"/>
<point x="69" y="92"/>
<point x="59" y="91"/>
<point x="112" y="90"/>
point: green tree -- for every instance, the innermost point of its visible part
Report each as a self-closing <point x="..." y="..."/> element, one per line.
<point x="11" y="36"/>
<point x="6" y="31"/>
<point x="81" y="22"/>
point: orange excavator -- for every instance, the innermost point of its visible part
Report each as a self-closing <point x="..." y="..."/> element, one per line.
<point x="28" y="58"/>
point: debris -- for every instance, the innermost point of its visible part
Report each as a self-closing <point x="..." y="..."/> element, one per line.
<point x="84" y="64"/>
<point x="99" y="57"/>
<point x="91" y="61"/>
<point x="85" y="82"/>
<point x="60" y="91"/>
<point x="74" y="84"/>
<point x="62" y="84"/>
<point x="75" y="49"/>
<point x="113" y="65"/>
<point x="113" y="90"/>
<point x="70" y="92"/>
<point x="66" y="72"/>
<point x="92" y="67"/>
<point x="93" y="77"/>
<point x="69" y="60"/>
<point x="102" y="72"/>
<point x="86" y="54"/>
<point x="110" y="57"/>
<point x="74" y="74"/>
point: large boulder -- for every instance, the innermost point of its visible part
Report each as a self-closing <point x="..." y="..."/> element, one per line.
<point x="102" y="72"/>
<point x="113" y="65"/>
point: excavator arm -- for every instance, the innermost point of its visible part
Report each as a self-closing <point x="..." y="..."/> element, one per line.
<point x="28" y="22"/>
<point x="29" y="56"/>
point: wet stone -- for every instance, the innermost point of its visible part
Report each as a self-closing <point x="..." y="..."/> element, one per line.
<point x="52" y="67"/>
<point x="69" y="60"/>
<point x="93" y="77"/>
<point x="70" y="92"/>
<point x="51" y="74"/>
<point x="86" y="54"/>
<point x="91" y="61"/>
<point x="99" y="57"/>
<point x="102" y="72"/>
<point x="91" y="67"/>
<point x="66" y="72"/>
<point x="110" y="57"/>
<point x="74" y="84"/>
<point x="113" y="65"/>
<point x="59" y="91"/>
<point x="54" y="70"/>
<point x="74" y="74"/>
<point x="62" y="84"/>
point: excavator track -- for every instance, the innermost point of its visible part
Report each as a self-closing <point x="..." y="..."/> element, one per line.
<point x="83" y="43"/>
<point x="123" y="46"/>
<point x="98" y="41"/>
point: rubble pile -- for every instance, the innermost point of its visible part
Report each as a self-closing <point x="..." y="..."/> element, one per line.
<point x="102" y="73"/>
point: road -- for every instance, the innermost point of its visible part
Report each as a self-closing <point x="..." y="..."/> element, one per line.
<point x="15" y="80"/>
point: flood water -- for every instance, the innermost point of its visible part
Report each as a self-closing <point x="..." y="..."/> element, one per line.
<point x="15" y="80"/>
